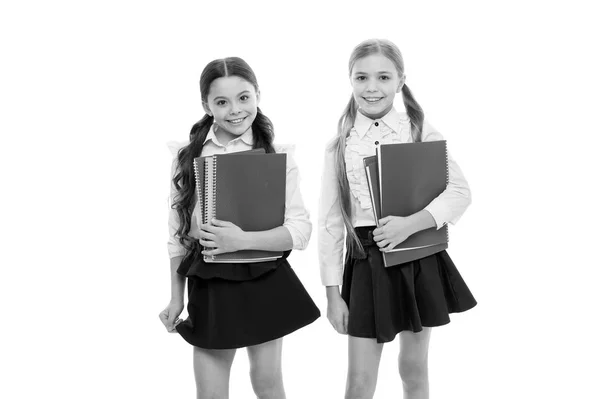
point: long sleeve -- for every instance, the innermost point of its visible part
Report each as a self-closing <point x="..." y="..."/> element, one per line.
<point x="330" y="225"/>
<point x="297" y="217"/>
<point x="450" y="205"/>
<point x="174" y="247"/>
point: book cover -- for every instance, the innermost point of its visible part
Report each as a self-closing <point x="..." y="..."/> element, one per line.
<point x="249" y="191"/>
<point x="403" y="179"/>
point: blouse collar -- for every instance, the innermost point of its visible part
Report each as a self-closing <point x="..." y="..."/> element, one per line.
<point x="392" y="119"/>
<point x="246" y="137"/>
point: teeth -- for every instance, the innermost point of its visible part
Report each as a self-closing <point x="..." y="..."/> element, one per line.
<point x="371" y="99"/>
<point x="236" y="120"/>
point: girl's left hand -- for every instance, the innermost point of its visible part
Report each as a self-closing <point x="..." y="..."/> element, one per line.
<point x="221" y="237"/>
<point x="393" y="230"/>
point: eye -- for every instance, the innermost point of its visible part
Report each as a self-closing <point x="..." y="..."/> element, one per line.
<point x="244" y="97"/>
<point x="220" y="103"/>
<point x="384" y="77"/>
<point x="361" y="78"/>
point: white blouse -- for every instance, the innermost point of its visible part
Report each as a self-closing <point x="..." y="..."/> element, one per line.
<point x="364" y="137"/>
<point x="297" y="217"/>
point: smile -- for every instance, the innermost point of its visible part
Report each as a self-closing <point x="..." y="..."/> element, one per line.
<point x="236" y="121"/>
<point x="372" y="99"/>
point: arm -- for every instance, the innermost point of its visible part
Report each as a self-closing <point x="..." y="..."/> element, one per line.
<point x="331" y="228"/>
<point x="177" y="281"/>
<point x="170" y="315"/>
<point x="452" y="203"/>
<point x="331" y="244"/>
<point x="448" y="207"/>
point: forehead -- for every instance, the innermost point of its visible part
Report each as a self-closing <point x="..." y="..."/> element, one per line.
<point x="229" y="86"/>
<point x="374" y="63"/>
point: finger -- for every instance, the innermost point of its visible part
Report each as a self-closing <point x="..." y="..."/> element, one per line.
<point x="385" y="220"/>
<point x="345" y="322"/>
<point x="177" y="322"/>
<point x="206" y="235"/>
<point x="221" y="223"/>
<point x="173" y="324"/>
<point x="212" y="252"/>
<point x="378" y="231"/>
<point x="383" y="243"/>
<point x="334" y="324"/>
<point x="164" y="317"/>
<point x="171" y="320"/>
<point x="207" y="243"/>
<point x="209" y="228"/>
<point x="389" y="247"/>
<point x="216" y="222"/>
<point x="378" y="238"/>
<point x="336" y="327"/>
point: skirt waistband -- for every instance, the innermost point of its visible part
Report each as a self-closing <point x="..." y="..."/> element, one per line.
<point x="365" y="235"/>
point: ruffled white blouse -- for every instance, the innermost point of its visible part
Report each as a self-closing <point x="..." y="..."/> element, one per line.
<point x="366" y="135"/>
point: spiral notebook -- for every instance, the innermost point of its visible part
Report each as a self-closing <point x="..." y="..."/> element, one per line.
<point x="403" y="179"/>
<point x="247" y="189"/>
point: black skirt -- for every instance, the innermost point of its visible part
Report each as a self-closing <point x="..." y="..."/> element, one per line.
<point x="385" y="301"/>
<point x="229" y="312"/>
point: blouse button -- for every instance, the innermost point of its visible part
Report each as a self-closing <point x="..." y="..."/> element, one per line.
<point x="376" y="124"/>
<point x="377" y="143"/>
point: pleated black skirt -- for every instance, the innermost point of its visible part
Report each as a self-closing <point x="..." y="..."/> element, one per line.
<point x="227" y="314"/>
<point x="385" y="301"/>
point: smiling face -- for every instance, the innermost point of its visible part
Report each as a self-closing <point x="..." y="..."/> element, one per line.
<point x="375" y="82"/>
<point x="233" y="103"/>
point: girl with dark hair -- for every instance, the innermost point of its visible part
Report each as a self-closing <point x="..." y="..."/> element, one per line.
<point x="377" y="303"/>
<point x="234" y="305"/>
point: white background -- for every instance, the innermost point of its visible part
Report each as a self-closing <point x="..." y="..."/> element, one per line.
<point x="92" y="91"/>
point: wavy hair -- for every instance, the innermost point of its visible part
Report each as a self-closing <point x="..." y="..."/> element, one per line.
<point x="183" y="180"/>
<point x="346" y="122"/>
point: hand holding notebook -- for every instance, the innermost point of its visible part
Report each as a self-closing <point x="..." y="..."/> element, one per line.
<point x="403" y="179"/>
<point x="246" y="189"/>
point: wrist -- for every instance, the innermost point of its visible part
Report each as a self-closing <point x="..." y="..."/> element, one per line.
<point x="245" y="241"/>
<point x="412" y="224"/>
<point x="421" y="220"/>
<point x="177" y="300"/>
<point x="332" y="292"/>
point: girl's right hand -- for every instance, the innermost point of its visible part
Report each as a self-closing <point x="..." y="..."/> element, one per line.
<point x="337" y="313"/>
<point x="170" y="316"/>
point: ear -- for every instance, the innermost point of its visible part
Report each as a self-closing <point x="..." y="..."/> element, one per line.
<point x="401" y="84"/>
<point x="257" y="97"/>
<point x="206" y="109"/>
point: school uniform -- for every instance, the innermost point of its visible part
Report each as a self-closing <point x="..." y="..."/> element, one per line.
<point x="234" y="305"/>
<point x="385" y="301"/>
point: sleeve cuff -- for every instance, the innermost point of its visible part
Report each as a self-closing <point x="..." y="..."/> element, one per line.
<point x="332" y="276"/>
<point x="299" y="241"/>
<point x="175" y="250"/>
<point x="436" y="211"/>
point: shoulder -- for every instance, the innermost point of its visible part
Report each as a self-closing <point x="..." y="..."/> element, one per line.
<point x="175" y="146"/>
<point x="289" y="149"/>
<point x="430" y="133"/>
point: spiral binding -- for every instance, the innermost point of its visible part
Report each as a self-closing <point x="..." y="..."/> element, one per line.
<point x="214" y="186"/>
<point x="198" y="181"/>
<point x="206" y="191"/>
<point x="447" y="182"/>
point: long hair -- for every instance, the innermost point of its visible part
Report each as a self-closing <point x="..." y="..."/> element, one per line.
<point x="184" y="181"/>
<point x="346" y="122"/>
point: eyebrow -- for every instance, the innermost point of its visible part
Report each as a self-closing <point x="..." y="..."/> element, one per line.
<point x="239" y="94"/>
<point x="378" y="72"/>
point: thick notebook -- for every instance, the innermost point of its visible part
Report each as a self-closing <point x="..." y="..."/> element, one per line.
<point x="403" y="179"/>
<point x="247" y="189"/>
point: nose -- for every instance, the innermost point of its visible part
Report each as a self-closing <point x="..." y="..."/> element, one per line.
<point x="371" y="86"/>
<point x="235" y="109"/>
